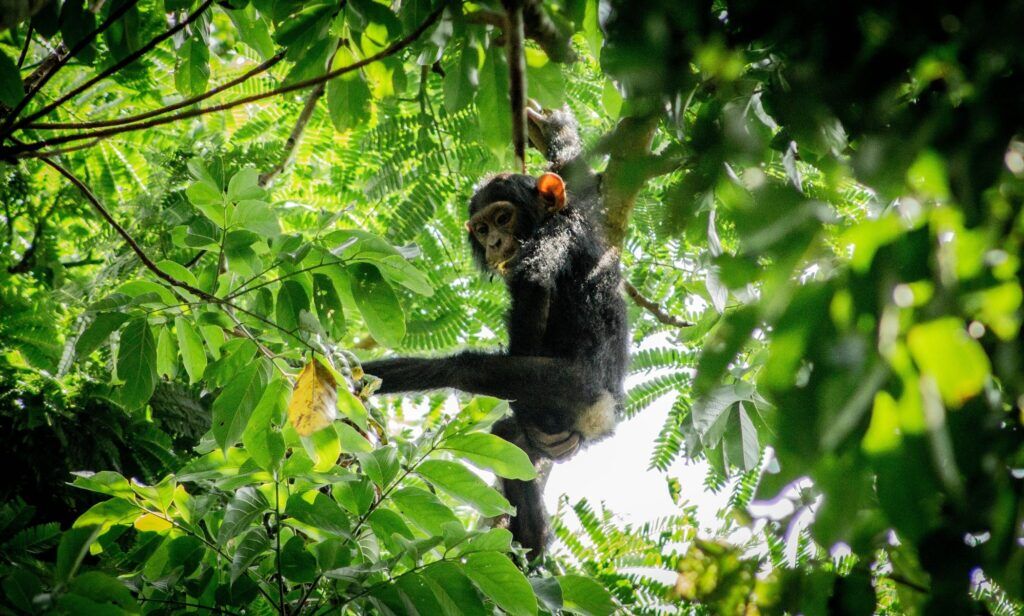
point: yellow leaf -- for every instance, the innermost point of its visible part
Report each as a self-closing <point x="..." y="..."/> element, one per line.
<point x="314" y="403"/>
<point x="155" y="523"/>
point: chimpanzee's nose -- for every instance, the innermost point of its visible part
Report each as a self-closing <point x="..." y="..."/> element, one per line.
<point x="496" y="242"/>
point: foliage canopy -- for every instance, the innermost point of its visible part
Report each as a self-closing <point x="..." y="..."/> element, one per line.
<point x="204" y="205"/>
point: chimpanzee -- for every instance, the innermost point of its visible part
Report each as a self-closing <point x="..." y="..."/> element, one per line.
<point x="567" y="352"/>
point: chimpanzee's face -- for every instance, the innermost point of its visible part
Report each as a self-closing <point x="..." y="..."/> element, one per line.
<point x="507" y="211"/>
<point x="494" y="227"/>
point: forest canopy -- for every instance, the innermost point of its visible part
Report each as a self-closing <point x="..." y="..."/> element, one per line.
<point x="213" y="212"/>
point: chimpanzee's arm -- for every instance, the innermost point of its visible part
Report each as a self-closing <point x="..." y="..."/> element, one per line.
<point x="556" y="134"/>
<point x="533" y="382"/>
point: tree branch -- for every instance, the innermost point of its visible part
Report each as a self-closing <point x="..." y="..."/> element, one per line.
<point x="20" y="149"/>
<point x="102" y="211"/>
<point x="24" y="48"/>
<point x="537" y="26"/>
<point x="516" y="77"/>
<point x="653" y="307"/>
<point x="132" y="57"/>
<point x="293" y="139"/>
<point x="61" y="62"/>
<point x="153" y="267"/>
<point x="261" y="68"/>
<point x="629" y="147"/>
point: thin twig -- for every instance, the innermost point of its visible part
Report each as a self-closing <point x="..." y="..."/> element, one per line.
<point x="213" y="546"/>
<point x="212" y="610"/>
<point x="102" y="211"/>
<point x="652" y="307"/>
<point x="293" y="138"/>
<point x="242" y="290"/>
<point x="256" y="70"/>
<point x="59" y="151"/>
<point x="132" y="57"/>
<point x="153" y="267"/>
<point x="24" y="48"/>
<point x="61" y="62"/>
<point x="392" y="49"/>
<point x="277" y="537"/>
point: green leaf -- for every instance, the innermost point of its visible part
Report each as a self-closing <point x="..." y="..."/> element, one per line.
<point x="943" y="350"/>
<point x="352" y="408"/>
<point x="291" y="300"/>
<point x="544" y="80"/>
<point x="494" y="454"/>
<point x="179" y="271"/>
<point x="465" y="485"/>
<point x="203" y="233"/>
<point x="103" y="589"/>
<point x="386" y="523"/>
<point x="328" y="305"/>
<point x="245" y="186"/>
<point x="256" y="216"/>
<point x="76" y="23"/>
<point x="97" y="333"/>
<point x="136" y="363"/>
<point x="323" y="514"/>
<point x="492" y="101"/>
<point x="166" y="354"/>
<point x="424" y="510"/>
<point x="460" y="84"/>
<point x="192" y="73"/>
<point x="234" y="405"/>
<point x="501" y="581"/>
<point x="11" y="88"/>
<point x="104" y="482"/>
<point x="262" y="435"/>
<point x="493" y="540"/>
<point x="355" y="496"/>
<point x="154" y="292"/>
<point x="584" y="595"/>
<point x="72" y="549"/>
<point x="209" y="199"/>
<point x="241" y="511"/>
<point x="351" y="440"/>
<point x="378" y="304"/>
<point x="380" y="465"/>
<point x="20" y="587"/>
<point x="193" y="355"/>
<point x="348" y="96"/>
<point x="297" y="563"/>
<point x="453" y="588"/>
<point x="254" y="544"/>
<point x="113" y="512"/>
<point x="253" y="30"/>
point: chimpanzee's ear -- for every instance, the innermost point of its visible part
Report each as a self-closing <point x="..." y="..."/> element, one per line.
<point x="552" y="190"/>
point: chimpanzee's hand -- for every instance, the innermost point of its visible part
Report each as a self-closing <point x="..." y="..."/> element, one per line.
<point x="553" y="132"/>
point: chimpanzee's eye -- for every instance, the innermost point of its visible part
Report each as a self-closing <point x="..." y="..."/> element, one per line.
<point x="502" y="218"/>
<point x="481" y="229"/>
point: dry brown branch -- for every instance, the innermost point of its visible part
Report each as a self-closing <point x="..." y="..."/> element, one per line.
<point x="651" y="306"/>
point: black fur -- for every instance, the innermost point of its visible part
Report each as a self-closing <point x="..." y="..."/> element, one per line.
<point x="568" y="335"/>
